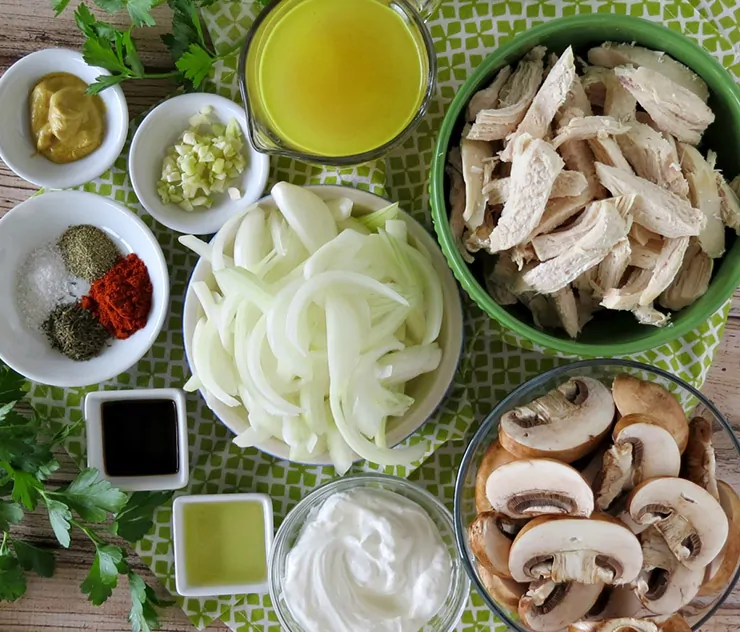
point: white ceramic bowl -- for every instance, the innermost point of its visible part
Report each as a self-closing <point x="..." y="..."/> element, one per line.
<point x="16" y="143"/>
<point x="93" y="409"/>
<point x="428" y="390"/>
<point x="159" y="131"/>
<point x="43" y="219"/>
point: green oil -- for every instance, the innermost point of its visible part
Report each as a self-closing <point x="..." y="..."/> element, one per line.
<point x="224" y="543"/>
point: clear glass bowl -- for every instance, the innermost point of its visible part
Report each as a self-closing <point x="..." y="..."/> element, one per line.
<point x="726" y="447"/>
<point x="448" y="616"/>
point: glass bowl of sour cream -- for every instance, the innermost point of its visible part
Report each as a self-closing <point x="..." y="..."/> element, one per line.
<point x="367" y="552"/>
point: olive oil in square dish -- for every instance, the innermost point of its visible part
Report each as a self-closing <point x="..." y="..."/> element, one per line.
<point x="335" y="78"/>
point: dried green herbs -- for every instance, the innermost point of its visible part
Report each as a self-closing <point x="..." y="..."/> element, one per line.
<point x="87" y="251"/>
<point x="75" y="332"/>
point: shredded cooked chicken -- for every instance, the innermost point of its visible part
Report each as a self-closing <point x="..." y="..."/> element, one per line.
<point x="487" y="99"/>
<point x="653" y="158"/>
<point x="705" y="197"/>
<point x="535" y="166"/>
<point x="474" y="152"/>
<point x="550" y="276"/>
<point x="546" y="103"/>
<point x="531" y="180"/>
<point x="674" y="109"/>
<point x="612" y="54"/>
<point x="692" y="280"/>
<point x="666" y="268"/>
<point x="516" y="96"/>
<point x="589" y="127"/>
<point x="567" y="184"/>
<point x="656" y="209"/>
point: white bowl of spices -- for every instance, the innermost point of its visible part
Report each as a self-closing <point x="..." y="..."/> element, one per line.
<point x="53" y="134"/>
<point x="87" y="288"/>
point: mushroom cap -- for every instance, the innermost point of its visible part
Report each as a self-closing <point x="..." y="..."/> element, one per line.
<point x="632" y="395"/>
<point x="622" y="624"/>
<point x="674" y="623"/>
<point x="536" y="487"/>
<point x="618" y="601"/>
<point x="565" y="424"/>
<point x="720" y="570"/>
<point x="655" y="451"/>
<point x="664" y="585"/>
<point x="550" y="607"/>
<point x="494" y="457"/>
<point x="572" y="545"/>
<point x="690" y="519"/>
<point x="699" y="463"/>
<point x="489" y="544"/>
<point x="505" y="592"/>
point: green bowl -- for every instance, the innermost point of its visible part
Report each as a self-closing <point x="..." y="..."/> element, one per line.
<point x="609" y="333"/>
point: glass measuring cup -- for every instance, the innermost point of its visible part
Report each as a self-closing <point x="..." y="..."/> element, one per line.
<point x="266" y="135"/>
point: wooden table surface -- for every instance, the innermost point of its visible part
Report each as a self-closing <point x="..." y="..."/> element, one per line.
<point x="56" y="603"/>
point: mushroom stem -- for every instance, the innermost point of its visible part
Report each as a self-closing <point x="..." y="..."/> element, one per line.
<point x="680" y="536"/>
<point x="586" y="567"/>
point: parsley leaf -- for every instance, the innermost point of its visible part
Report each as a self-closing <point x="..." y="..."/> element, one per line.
<point x="103" y="575"/>
<point x="11" y="385"/>
<point x="58" y="6"/>
<point x="26" y="489"/>
<point x="104" y="81"/>
<point x="30" y="557"/>
<point x="140" y="12"/>
<point x="132" y="55"/>
<point x="91" y="26"/>
<point x="91" y="497"/>
<point x="59" y="517"/>
<point x="97" y="51"/>
<point x="12" y="579"/>
<point x="143" y="616"/>
<point x="111" y="6"/>
<point x="135" y="520"/>
<point x="10" y="513"/>
<point x="195" y="64"/>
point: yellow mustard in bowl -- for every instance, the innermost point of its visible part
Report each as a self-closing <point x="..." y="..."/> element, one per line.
<point x="67" y="124"/>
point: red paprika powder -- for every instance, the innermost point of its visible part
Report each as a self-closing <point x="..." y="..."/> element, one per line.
<point x="122" y="298"/>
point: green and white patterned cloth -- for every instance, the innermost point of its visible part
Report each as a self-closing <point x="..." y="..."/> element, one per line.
<point x="494" y="360"/>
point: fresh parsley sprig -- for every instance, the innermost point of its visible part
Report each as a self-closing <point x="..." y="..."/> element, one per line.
<point x="84" y="505"/>
<point x="115" y="49"/>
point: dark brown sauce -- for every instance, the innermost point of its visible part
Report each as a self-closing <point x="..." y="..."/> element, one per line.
<point x="140" y="437"/>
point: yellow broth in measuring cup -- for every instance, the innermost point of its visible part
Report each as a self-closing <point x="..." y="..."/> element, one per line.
<point x="336" y="79"/>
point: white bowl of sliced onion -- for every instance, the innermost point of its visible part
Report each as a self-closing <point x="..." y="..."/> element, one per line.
<point x="323" y="326"/>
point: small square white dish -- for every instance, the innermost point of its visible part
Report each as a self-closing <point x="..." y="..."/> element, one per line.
<point x="211" y="589"/>
<point x="93" y="410"/>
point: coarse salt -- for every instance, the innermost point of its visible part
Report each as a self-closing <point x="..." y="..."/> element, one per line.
<point x="42" y="283"/>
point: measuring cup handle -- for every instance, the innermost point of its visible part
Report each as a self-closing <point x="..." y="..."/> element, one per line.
<point x="425" y="8"/>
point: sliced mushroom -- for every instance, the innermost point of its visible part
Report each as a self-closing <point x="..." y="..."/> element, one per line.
<point x="550" y="607"/>
<point x="494" y="457"/>
<point x="632" y="395"/>
<point x="720" y="571"/>
<point x="689" y="518"/>
<point x="565" y="424"/>
<point x="536" y="487"/>
<point x="674" y="623"/>
<point x="699" y="462"/>
<point x="597" y="550"/>
<point x="642" y="449"/>
<point x="490" y="544"/>
<point x="617" y="601"/>
<point x="664" y="585"/>
<point x="506" y="592"/>
<point x="622" y="624"/>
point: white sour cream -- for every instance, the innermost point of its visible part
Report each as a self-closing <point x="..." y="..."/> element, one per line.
<point x="370" y="561"/>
